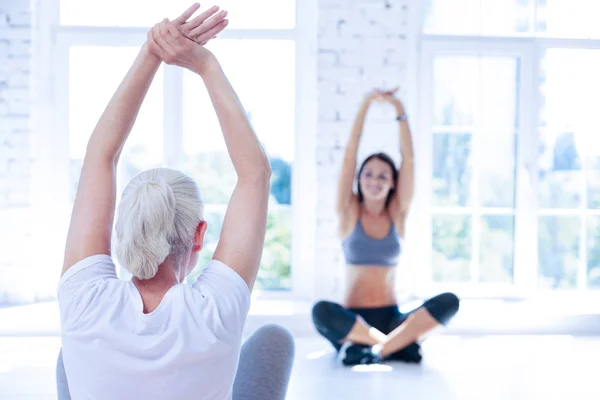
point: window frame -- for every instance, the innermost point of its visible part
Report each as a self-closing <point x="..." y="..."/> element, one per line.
<point x="53" y="166"/>
<point x="527" y="209"/>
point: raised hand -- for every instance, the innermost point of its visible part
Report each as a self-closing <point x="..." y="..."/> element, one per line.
<point x="203" y="27"/>
<point x="389" y="96"/>
<point x="171" y="46"/>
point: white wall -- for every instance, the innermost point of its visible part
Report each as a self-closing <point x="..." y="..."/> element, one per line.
<point x="15" y="149"/>
<point x="361" y="44"/>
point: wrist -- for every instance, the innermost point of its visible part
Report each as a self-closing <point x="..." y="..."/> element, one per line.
<point x="208" y="66"/>
<point x="147" y="54"/>
<point x="401" y="116"/>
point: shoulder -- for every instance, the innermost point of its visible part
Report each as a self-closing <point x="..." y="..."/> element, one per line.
<point x="86" y="287"/>
<point x="89" y="270"/>
<point x="225" y="295"/>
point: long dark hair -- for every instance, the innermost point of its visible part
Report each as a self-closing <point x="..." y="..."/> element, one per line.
<point x="387" y="159"/>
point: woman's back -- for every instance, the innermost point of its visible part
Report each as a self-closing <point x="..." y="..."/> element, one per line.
<point x="187" y="347"/>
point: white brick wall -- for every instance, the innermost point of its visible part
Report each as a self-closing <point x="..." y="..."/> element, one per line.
<point x="15" y="162"/>
<point x="361" y="44"/>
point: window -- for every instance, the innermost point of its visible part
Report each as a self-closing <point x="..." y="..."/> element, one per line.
<point x="473" y="181"/>
<point x="88" y="98"/>
<point x="540" y="18"/>
<point x="568" y="167"/>
<point x="511" y="148"/>
<point x="177" y="126"/>
<point x="269" y="101"/>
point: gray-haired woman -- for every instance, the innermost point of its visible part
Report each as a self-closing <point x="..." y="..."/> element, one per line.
<point x="154" y="337"/>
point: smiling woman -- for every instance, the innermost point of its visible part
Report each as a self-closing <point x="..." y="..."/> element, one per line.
<point x="369" y="327"/>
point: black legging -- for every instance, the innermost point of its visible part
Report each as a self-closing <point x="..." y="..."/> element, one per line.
<point x="334" y="322"/>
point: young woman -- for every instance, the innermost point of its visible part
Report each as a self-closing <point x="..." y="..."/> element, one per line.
<point x="369" y="327"/>
<point x="154" y="337"/>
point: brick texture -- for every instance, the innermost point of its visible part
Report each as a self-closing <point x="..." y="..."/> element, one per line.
<point x="15" y="161"/>
<point x="361" y="44"/>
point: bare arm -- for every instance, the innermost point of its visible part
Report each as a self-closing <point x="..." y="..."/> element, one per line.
<point x="243" y="232"/>
<point x="405" y="184"/>
<point x="346" y="197"/>
<point x="93" y="210"/>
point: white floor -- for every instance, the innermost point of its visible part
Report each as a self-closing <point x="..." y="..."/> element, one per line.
<point x="461" y="368"/>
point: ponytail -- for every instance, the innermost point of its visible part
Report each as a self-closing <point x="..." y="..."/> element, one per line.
<point x="148" y="227"/>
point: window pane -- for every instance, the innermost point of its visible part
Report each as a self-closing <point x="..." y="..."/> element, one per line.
<point x="593" y="242"/>
<point x="478" y="94"/>
<point x="274" y="272"/>
<point x="496" y="170"/>
<point x="569" y="88"/>
<point x="258" y="14"/>
<point x="88" y="97"/>
<point x="455" y="91"/>
<point x="593" y="182"/>
<point x="559" y="171"/>
<point x="478" y="17"/>
<point x="569" y="128"/>
<point x="214" y="216"/>
<point x="265" y="83"/>
<point x="498" y="80"/>
<point x="452" y="244"/>
<point x="496" y="248"/>
<point x="558" y="251"/>
<point x="568" y="18"/>
<point x="452" y="169"/>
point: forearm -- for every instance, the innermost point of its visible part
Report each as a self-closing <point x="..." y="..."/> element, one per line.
<point x="406" y="144"/>
<point x="357" y="129"/>
<point x="247" y="155"/>
<point x="118" y="118"/>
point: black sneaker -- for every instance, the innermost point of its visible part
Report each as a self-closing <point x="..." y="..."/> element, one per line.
<point x="357" y="354"/>
<point x="409" y="354"/>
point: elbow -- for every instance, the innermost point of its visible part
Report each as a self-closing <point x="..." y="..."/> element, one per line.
<point x="258" y="174"/>
<point x="267" y="168"/>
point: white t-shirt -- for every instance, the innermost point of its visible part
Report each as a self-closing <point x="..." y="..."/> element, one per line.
<point x="188" y="348"/>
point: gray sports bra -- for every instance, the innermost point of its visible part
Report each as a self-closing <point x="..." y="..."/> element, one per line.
<point x="361" y="249"/>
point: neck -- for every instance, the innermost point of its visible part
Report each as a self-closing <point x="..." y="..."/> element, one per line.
<point x="165" y="278"/>
<point x="375" y="208"/>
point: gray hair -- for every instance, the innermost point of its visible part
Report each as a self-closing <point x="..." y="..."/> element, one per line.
<point x="157" y="217"/>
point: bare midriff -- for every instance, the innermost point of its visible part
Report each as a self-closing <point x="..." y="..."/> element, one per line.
<point x="370" y="286"/>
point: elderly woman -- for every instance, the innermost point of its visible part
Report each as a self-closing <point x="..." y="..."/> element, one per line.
<point x="154" y="337"/>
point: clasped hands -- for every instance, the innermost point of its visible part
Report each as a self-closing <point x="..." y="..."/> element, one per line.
<point x="181" y="41"/>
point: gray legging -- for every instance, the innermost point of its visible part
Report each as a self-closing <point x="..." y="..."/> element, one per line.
<point x="263" y="373"/>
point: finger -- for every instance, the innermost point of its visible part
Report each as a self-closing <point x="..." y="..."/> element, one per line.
<point x="208" y="24"/>
<point x="211" y="34"/>
<point x="196" y="22"/>
<point x="186" y="14"/>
